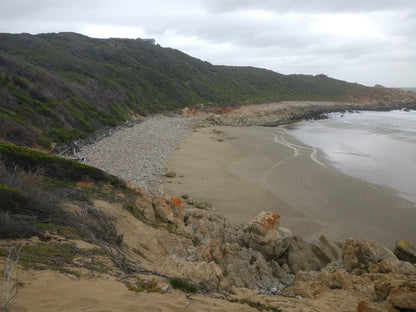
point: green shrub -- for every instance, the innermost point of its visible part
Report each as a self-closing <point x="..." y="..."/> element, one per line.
<point x="44" y="142"/>
<point x="180" y="283"/>
<point x="62" y="136"/>
<point x="53" y="166"/>
<point x="48" y="255"/>
<point x="11" y="198"/>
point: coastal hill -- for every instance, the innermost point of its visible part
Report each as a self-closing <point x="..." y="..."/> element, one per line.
<point x="62" y="86"/>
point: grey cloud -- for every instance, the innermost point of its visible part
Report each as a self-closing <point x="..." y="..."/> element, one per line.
<point x="307" y="6"/>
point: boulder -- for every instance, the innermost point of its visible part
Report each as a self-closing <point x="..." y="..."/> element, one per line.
<point x="272" y="245"/>
<point x="403" y="298"/>
<point x="307" y="289"/>
<point x="247" y="268"/>
<point x="329" y="249"/>
<point x="364" y="306"/>
<point x="163" y="210"/>
<point x="384" y="287"/>
<point x="403" y="267"/>
<point x="405" y="251"/>
<point x="277" y="243"/>
<point x="179" y="249"/>
<point x="263" y="223"/>
<point x="177" y="207"/>
<point x="208" y="275"/>
<point x="206" y="225"/>
<point x="360" y="253"/>
<point x="144" y="204"/>
<point x="263" y="234"/>
<point x="344" y="278"/>
<point x="302" y="256"/>
<point x="336" y="280"/>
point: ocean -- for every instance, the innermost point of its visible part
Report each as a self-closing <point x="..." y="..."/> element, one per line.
<point x="377" y="147"/>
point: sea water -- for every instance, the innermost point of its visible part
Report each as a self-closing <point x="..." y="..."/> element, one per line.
<point x="378" y="147"/>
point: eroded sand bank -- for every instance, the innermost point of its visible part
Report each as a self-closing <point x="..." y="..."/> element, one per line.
<point x="244" y="170"/>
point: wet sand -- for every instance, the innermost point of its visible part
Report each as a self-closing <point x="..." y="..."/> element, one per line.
<point x="242" y="171"/>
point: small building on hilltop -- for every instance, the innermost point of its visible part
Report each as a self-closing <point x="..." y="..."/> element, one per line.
<point x="148" y="40"/>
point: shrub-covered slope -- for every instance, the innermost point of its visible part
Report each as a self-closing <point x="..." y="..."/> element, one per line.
<point x="57" y="87"/>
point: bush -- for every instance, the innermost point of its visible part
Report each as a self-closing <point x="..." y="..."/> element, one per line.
<point x="11" y="198"/>
<point x="182" y="284"/>
<point x="12" y="226"/>
<point x="53" y="166"/>
<point x="28" y="199"/>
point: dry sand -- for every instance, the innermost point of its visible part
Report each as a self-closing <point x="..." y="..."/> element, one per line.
<point x="48" y="291"/>
<point x="242" y="171"/>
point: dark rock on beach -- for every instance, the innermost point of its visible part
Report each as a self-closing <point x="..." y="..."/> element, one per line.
<point x="405" y="251"/>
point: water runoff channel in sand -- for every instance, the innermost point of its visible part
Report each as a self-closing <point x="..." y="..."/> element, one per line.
<point x="280" y="139"/>
<point x="334" y="201"/>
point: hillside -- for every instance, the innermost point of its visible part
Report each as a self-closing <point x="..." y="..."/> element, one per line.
<point x="58" y="87"/>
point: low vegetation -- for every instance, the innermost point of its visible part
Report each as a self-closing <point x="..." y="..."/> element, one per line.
<point x="33" y="187"/>
<point x="52" y="166"/>
<point x="180" y="283"/>
<point x="55" y="88"/>
<point x="61" y="257"/>
<point x="142" y="285"/>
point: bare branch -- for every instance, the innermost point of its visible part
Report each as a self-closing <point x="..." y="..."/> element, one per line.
<point x="9" y="291"/>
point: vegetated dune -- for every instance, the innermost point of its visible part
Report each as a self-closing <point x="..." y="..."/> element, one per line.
<point x="55" y="88"/>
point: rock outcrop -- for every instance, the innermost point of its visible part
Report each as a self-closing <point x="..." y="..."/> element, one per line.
<point x="365" y="267"/>
<point x="405" y="251"/>
<point x="274" y="114"/>
<point x="264" y="256"/>
<point x="361" y="254"/>
<point x="403" y="297"/>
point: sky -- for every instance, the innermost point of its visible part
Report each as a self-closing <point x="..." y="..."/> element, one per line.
<point x="364" y="41"/>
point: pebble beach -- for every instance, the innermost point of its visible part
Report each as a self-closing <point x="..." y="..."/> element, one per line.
<point x="138" y="154"/>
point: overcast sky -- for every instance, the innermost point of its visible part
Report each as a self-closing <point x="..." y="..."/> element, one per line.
<point x="365" y="41"/>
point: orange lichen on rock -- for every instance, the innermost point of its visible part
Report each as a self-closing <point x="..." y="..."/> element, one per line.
<point x="263" y="223"/>
<point x="176" y="202"/>
<point x="271" y="220"/>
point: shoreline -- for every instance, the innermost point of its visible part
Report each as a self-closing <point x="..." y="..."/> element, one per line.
<point x="243" y="268"/>
<point x="225" y="180"/>
<point x="285" y="112"/>
<point x="242" y="171"/>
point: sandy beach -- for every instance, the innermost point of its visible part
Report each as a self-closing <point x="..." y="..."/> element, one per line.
<point x="242" y="171"/>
